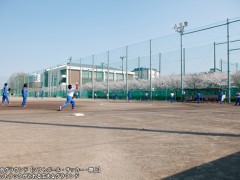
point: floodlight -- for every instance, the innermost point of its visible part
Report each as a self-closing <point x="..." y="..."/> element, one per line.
<point x="185" y="23"/>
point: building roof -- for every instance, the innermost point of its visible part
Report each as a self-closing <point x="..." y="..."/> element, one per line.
<point x="84" y="66"/>
<point x="142" y="69"/>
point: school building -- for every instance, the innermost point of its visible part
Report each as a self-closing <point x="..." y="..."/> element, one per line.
<point x="60" y="76"/>
<point x="145" y="73"/>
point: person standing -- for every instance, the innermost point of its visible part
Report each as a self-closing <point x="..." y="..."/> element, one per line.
<point x="220" y="96"/>
<point x="198" y="97"/>
<point x="171" y="97"/>
<point x="70" y="96"/>
<point x="24" y="94"/>
<point x="238" y="98"/>
<point x="115" y="96"/>
<point x="146" y="96"/>
<point x="5" y="94"/>
<point x="129" y="96"/>
<point x="42" y="94"/>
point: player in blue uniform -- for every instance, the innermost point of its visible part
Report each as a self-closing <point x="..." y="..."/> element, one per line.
<point x="198" y="97"/>
<point x="220" y="97"/>
<point x="24" y="95"/>
<point x="5" y="94"/>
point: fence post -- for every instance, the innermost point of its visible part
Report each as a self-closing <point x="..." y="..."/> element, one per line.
<point x="80" y="78"/>
<point x="93" y="77"/>
<point x="184" y="60"/>
<point x="108" y="76"/>
<point x="229" y="80"/>
<point x="150" y="63"/>
<point x="138" y="67"/>
<point x="127" y="71"/>
<point x="160" y="62"/>
<point x="214" y="56"/>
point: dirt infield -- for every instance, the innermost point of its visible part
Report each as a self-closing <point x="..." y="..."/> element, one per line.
<point x="121" y="140"/>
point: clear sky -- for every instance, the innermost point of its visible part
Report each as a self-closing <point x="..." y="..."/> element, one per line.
<point x="36" y="34"/>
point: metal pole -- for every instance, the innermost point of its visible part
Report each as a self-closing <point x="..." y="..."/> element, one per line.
<point x="28" y="81"/>
<point x="49" y="82"/>
<point x="229" y="80"/>
<point x="70" y="72"/>
<point x="138" y="67"/>
<point x="160" y="59"/>
<point x="221" y="65"/>
<point x="184" y="65"/>
<point x="18" y="86"/>
<point x="214" y="55"/>
<point x="52" y="82"/>
<point x="102" y="72"/>
<point x="80" y="78"/>
<point x="150" y="69"/>
<point x="96" y="72"/>
<point x="180" y="29"/>
<point x="122" y="69"/>
<point x="236" y="67"/>
<point x="43" y="83"/>
<point x="108" y="76"/>
<point x="57" y="81"/>
<point x="127" y="71"/>
<point x="93" y="77"/>
<point x="181" y="34"/>
<point x="166" y="93"/>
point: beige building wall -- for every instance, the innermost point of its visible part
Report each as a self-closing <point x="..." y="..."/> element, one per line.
<point x="75" y="74"/>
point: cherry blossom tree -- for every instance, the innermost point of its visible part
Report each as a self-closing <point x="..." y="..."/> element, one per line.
<point x="236" y="79"/>
<point x="193" y="81"/>
<point x="172" y="81"/>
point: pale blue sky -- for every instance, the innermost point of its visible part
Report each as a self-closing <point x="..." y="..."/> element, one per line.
<point x="36" y="34"/>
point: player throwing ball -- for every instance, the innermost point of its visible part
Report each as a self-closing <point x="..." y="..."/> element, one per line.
<point x="70" y="96"/>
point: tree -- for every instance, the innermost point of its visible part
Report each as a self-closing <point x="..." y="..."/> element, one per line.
<point x="236" y="79"/>
<point x="193" y="81"/>
<point x="16" y="81"/>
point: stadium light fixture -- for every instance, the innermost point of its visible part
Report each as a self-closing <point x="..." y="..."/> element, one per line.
<point x="180" y="27"/>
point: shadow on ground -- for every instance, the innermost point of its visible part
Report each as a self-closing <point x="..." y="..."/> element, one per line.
<point x="224" y="168"/>
<point x="122" y="128"/>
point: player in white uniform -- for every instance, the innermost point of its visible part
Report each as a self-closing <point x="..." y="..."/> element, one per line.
<point x="70" y="96"/>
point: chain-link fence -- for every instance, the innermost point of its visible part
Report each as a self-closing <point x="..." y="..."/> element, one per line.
<point x="152" y="68"/>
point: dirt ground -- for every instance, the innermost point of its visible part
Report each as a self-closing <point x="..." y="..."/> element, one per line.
<point x="119" y="140"/>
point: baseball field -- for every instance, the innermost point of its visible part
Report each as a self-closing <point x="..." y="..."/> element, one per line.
<point x="118" y="140"/>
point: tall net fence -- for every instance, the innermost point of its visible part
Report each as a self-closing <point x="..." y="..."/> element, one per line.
<point x="182" y="62"/>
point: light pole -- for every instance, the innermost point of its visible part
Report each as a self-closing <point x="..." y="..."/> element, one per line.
<point x="108" y="59"/>
<point x="180" y="28"/>
<point x="122" y="57"/>
<point x="70" y="59"/>
<point x="102" y="72"/>
<point x="138" y="67"/>
<point x="80" y="78"/>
